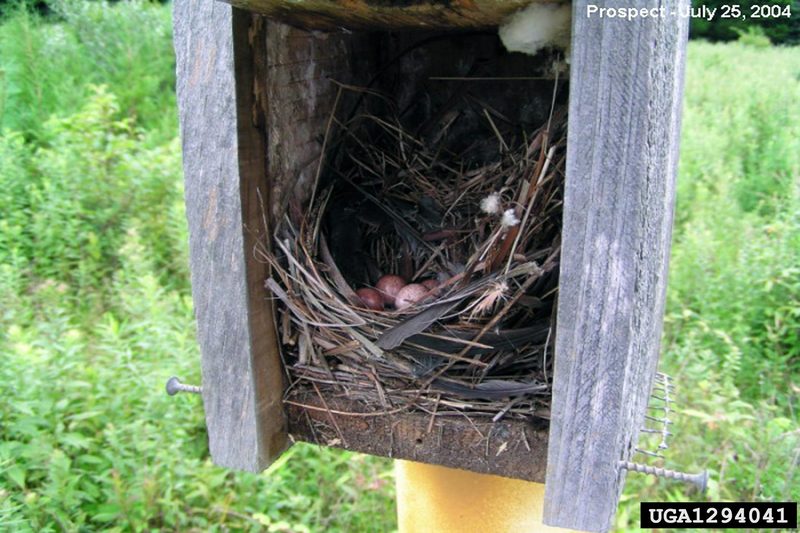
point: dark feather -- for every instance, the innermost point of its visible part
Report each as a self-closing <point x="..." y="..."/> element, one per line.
<point x="394" y="337"/>
<point x="510" y="339"/>
<point x="494" y="389"/>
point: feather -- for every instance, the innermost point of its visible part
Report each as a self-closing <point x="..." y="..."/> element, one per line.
<point x="493" y="389"/>
<point x="510" y="339"/>
<point x="394" y="336"/>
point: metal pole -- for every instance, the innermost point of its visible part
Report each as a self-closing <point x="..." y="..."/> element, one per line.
<point x="446" y="500"/>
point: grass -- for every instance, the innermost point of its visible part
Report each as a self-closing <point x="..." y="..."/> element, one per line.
<point x="49" y="68"/>
<point x="97" y="309"/>
<point x="733" y="314"/>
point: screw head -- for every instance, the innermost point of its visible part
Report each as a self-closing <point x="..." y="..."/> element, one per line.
<point x="173" y="386"/>
<point x="702" y="483"/>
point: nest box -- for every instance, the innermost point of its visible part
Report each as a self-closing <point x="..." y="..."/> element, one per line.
<point x="255" y="94"/>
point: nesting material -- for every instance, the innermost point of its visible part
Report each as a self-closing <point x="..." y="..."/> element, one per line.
<point x="538" y="26"/>
<point x="477" y="241"/>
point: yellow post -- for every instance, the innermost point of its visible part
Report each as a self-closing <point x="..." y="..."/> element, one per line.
<point x="435" y="499"/>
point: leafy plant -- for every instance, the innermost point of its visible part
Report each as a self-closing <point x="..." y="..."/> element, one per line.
<point x="48" y="64"/>
<point x="753" y="36"/>
<point x="779" y="30"/>
<point x="97" y="311"/>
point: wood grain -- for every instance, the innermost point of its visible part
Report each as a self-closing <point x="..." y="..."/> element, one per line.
<point x="624" y="124"/>
<point x="224" y="156"/>
<point x="301" y="93"/>
<point x="373" y="15"/>
<point x="515" y="449"/>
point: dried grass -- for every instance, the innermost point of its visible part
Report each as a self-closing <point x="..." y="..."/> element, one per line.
<point x="479" y="344"/>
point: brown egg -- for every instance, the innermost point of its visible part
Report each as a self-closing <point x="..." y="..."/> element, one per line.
<point x="389" y="285"/>
<point x="371" y="298"/>
<point x="409" y="295"/>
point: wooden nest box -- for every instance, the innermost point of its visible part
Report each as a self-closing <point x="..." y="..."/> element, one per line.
<point x="258" y="84"/>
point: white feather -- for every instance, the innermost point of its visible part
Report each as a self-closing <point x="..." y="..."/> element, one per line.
<point x="491" y="204"/>
<point x="536" y="27"/>
<point x="509" y="219"/>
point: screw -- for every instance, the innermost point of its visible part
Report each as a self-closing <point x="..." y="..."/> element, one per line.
<point x="700" y="480"/>
<point x="651" y="430"/>
<point x="651" y="454"/>
<point x="174" y="386"/>
<point x="664" y="420"/>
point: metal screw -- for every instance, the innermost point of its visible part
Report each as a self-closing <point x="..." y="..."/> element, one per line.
<point x="647" y="452"/>
<point x="174" y="386"/>
<point x="700" y="480"/>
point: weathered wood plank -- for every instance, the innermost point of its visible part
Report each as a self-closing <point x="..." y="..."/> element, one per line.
<point x="224" y="156"/>
<point x="301" y="67"/>
<point x="386" y="15"/>
<point x="624" y="121"/>
<point x="516" y="449"/>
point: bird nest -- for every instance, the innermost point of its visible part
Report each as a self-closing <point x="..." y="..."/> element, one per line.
<point x="483" y="236"/>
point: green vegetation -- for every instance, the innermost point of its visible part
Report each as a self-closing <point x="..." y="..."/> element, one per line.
<point x="49" y="68"/>
<point x="97" y="313"/>
<point x="733" y="316"/>
<point x="96" y="308"/>
<point x="778" y="21"/>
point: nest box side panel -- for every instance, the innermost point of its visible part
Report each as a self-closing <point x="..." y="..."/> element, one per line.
<point x="300" y="75"/>
<point x="218" y="49"/>
<point x="624" y="126"/>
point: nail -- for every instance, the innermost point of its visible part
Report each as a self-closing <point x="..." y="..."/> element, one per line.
<point x="174" y="386"/>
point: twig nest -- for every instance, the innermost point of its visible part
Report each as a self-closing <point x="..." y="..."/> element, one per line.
<point x="388" y="286"/>
<point x="370" y="298"/>
<point x="409" y="295"/>
<point x="497" y="268"/>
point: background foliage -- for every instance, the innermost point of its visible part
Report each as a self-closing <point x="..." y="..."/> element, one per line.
<point x="97" y="313"/>
<point x="779" y="30"/>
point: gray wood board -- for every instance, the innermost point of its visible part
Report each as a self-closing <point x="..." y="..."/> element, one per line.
<point x="624" y="125"/>
<point x="224" y="164"/>
<point x="509" y="448"/>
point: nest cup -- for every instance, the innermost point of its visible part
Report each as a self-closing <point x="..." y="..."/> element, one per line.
<point x="473" y="210"/>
